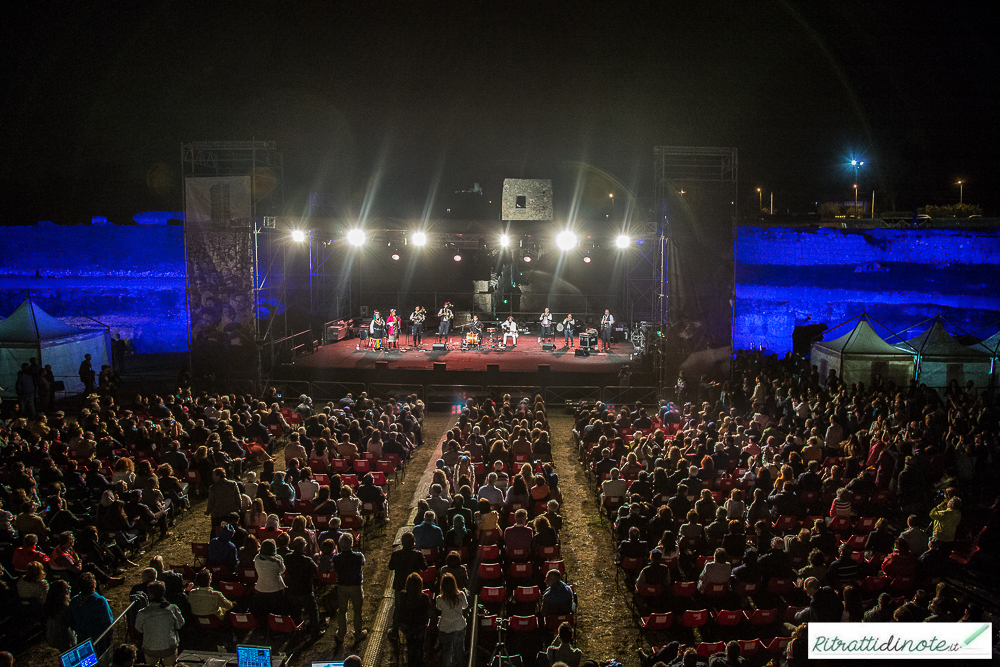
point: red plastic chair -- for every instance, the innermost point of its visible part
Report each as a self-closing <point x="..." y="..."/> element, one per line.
<point x="786" y="523"/>
<point x="553" y="621"/>
<point x="747" y="588"/>
<point x="518" y="554"/>
<point x="716" y="590"/>
<point x="339" y="466"/>
<point x="729" y="617"/>
<point x="248" y="575"/>
<point x="321" y="521"/>
<point x="749" y="647"/>
<point x="683" y="589"/>
<point x="200" y="551"/>
<point x="488" y="552"/>
<point x="840" y="524"/>
<point x="865" y="524"/>
<point x="210" y="622"/>
<point x="493" y="594"/>
<point x="490" y="571"/>
<point x="283" y="624"/>
<point x="872" y="585"/>
<point x="780" y="586"/>
<point x="520" y="570"/>
<point x="695" y="618"/>
<point x="548" y="553"/>
<point x="632" y="565"/>
<point x="789" y="615"/>
<point x="649" y="591"/>
<point x="327" y="577"/>
<point x="233" y="590"/>
<point x="429" y="576"/>
<point x="349" y="480"/>
<point x="527" y="594"/>
<point x="706" y="649"/>
<point x="555" y="565"/>
<point x="523" y="623"/>
<point x="361" y="466"/>
<point x="489" y="623"/>
<point x="763" y="617"/>
<point x="242" y="621"/>
<point x="778" y="645"/>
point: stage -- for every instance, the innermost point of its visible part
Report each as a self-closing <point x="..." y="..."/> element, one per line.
<point x="348" y="362"/>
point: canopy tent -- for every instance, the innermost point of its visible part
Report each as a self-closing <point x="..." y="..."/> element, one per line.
<point x="31" y="332"/>
<point x="941" y="359"/>
<point x="991" y="347"/>
<point x="860" y="354"/>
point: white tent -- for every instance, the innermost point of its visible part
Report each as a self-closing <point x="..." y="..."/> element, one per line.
<point x="31" y="332"/>
<point x="860" y="354"/>
<point x="991" y="347"/>
<point x="941" y="359"/>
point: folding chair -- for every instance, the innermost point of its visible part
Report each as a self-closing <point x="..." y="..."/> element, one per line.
<point x="523" y="623"/>
<point x="762" y="616"/>
<point x="242" y="621"/>
<point x="695" y="618"/>
<point x="283" y="624"/>
<point x="729" y="617"/>
<point x="200" y="552"/>
<point x="493" y="594"/>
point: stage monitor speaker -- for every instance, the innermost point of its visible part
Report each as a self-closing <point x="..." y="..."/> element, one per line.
<point x="581" y="353"/>
<point x="548" y="347"/>
<point x="440" y="366"/>
<point x="492" y="368"/>
<point x="544" y="368"/>
<point x="438" y="347"/>
<point x="382" y="365"/>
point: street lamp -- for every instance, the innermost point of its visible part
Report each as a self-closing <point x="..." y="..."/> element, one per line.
<point x="856" y="164"/>
<point x="961" y="189"/>
<point x="760" y="202"/>
<point x="855" y="200"/>
<point x="611" y="195"/>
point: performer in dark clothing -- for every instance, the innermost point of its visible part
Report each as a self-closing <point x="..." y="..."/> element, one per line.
<point x="418" y="316"/>
<point x="607" y="324"/>
<point x="445" y="315"/>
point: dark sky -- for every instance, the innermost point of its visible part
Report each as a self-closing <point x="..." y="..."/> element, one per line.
<point x="98" y="97"/>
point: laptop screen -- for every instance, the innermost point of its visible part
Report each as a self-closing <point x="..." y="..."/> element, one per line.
<point x="81" y="655"/>
<point x="253" y="656"/>
<point x="328" y="664"/>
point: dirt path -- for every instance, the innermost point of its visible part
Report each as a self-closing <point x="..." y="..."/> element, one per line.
<point x="604" y="625"/>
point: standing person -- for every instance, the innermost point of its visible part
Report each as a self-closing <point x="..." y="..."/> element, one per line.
<point x="301" y="573"/>
<point x="417" y="317"/>
<point x="118" y="353"/>
<point x="607" y="324"/>
<point x="159" y="622"/>
<point x="452" y="604"/>
<point x="89" y="613"/>
<point x="224" y="498"/>
<point x="376" y="331"/>
<point x="413" y="610"/>
<point x="270" y="586"/>
<point x="445" y="316"/>
<point x="87" y="375"/>
<point x="568" y="324"/>
<point x="25" y="387"/>
<point x="546" y="319"/>
<point x="403" y="562"/>
<point x="349" y="566"/>
<point x="393" y="324"/>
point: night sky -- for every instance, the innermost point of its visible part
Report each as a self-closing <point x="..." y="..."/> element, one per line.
<point x="99" y="96"/>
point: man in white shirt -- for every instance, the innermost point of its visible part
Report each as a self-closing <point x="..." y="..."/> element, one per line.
<point x="490" y="491"/>
<point x="546" y="320"/>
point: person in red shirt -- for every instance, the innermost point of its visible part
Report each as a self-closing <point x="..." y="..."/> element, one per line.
<point x="28" y="553"/>
<point x="64" y="557"/>
<point x="901" y="562"/>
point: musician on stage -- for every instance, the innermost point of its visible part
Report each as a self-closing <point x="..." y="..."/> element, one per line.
<point x="509" y="330"/>
<point x="476" y="327"/>
<point x="393" y="324"/>
<point x="568" y="325"/>
<point x="376" y="331"/>
<point x="445" y="315"/>
<point x="418" y="316"/>
<point x="546" y="320"/>
<point x="607" y="324"/>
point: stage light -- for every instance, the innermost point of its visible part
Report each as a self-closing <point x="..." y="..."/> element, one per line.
<point x="622" y="241"/>
<point x="356" y="237"/>
<point x="395" y="255"/>
<point x="566" y="240"/>
<point x="419" y="238"/>
<point x="527" y="258"/>
<point x="504" y="241"/>
<point x="457" y="257"/>
<point x="586" y="258"/>
<point x="298" y="235"/>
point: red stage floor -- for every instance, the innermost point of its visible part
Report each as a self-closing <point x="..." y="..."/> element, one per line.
<point x="526" y="357"/>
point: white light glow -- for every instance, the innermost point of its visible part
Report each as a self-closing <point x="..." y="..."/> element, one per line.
<point x="622" y="241"/>
<point x="419" y="238"/>
<point x="527" y="258"/>
<point x="457" y="257"/>
<point x="298" y="235"/>
<point x="395" y="256"/>
<point x="566" y="240"/>
<point x="356" y="237"/>
<point x="586" y="259"/>
<point x="504" y="240"/>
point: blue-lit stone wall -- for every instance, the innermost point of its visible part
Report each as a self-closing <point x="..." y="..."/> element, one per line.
<point x="130" y="278"/>
<point x="787" y="276"/>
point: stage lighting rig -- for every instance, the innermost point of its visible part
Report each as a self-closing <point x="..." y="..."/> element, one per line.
<point x="356" y="237"/>
<point x="419" y="239"/>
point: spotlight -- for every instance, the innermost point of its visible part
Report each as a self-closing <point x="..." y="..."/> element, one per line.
<point x="298" y="235"/>
<point x="586" y="258"/>
<point x="419" y="238"/>
<point x="504" y="241"/>
<point x="458" y="256"/>
<point x="566" y="240"/>
<point x="527" y="257"/>
<point x="622" y="241"/>
<point x="395" y="255"/>
<point x="356" y="237"/>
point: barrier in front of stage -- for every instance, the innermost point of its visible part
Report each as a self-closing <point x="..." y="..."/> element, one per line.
<point x="385" y="391"/>
<point x="324" y="390"/>
<point x="290" y="390"/>
<point x="496" y="392"/>
<point x="557" y="395"/>
<point x="629" y="395"/>
<point x="437" y="395"/>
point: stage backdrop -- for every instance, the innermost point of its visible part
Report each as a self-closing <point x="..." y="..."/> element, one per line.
<point x="787" y="276"/>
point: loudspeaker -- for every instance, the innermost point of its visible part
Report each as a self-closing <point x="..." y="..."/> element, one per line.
<point x="438" y="347"/>
<point x="492" y="368"/>
<point x="382" y="365"/>
<point x="440" y="366"/>
<point x="544" y="368"/>
<point x="581" y="353"/>
<point x="548" y="347"/>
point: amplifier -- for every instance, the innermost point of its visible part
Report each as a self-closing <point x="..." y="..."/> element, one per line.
<point x="588" y="340"/>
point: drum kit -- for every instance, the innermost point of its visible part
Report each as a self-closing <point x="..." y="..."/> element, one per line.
<point x="472" y="340"/>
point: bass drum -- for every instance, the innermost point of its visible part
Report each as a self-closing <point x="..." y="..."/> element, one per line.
<point x="559" y="327"/>
<point x="472" y="338"/>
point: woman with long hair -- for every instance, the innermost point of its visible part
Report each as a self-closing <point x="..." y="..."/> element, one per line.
<point x="270" y="586"/>
<point x="414" y="612"/>
<point x="58" y="634"/>
<point x="452" y="603"/>
<point x="256" y="517"/>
